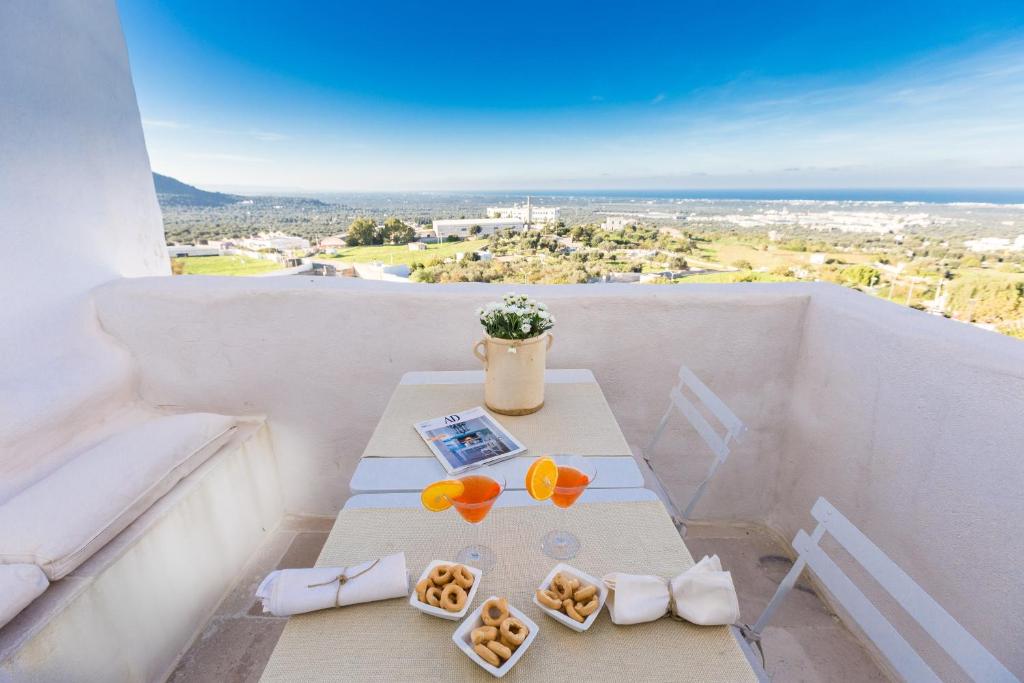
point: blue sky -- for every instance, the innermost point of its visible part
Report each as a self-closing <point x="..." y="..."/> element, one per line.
<point x="552" y="95"/>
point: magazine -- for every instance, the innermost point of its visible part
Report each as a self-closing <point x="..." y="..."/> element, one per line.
<point x="468" y="439"/>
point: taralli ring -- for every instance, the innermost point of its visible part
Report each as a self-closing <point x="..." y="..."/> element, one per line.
<point x="434" y="596"/>
<point x="585" y="609"/>
<point x="570" y="609"/>
<point x="421" y="590"/>
<point x="441" y="575"/>
<point x="502" y="651"/>
<point x="462" y="576"/>
<point x="495" y="613"/>
<point x="482" y="634"/>
<point x="514" y="630"/>
<point x="488" y="655"/>
<point x="560" y="585"/>
<point x="584" y="594"/>
<point x="549" y="599"/>
<point x="507" y="643"/>
<point x="453" y="597"/>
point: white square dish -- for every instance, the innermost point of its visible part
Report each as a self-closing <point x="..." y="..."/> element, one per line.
<point x="462" y="639"/>
<point x="440" y="611"/>
<point x="586" y="579"/>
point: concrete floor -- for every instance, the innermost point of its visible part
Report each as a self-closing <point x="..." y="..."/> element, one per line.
<point x="805" y="643"/>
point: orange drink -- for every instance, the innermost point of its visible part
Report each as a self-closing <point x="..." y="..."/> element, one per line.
<point x="570" y="485"/>
<point x="477" y="497"/>
<point x="563" y="479"/>
<point x="472" y="496"/>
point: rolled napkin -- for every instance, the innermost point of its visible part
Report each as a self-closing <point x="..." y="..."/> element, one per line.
<point x="296" y="591"/>
<point x="703" y="594"/>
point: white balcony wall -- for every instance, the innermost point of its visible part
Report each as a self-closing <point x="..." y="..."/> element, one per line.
<point x="910" y="424"/>
<point x="913" y="426"/>
<point x="321" y="357"/>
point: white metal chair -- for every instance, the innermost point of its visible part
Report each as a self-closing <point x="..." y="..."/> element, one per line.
<point x="977" y="662"/>
<point x="718" y="443"/>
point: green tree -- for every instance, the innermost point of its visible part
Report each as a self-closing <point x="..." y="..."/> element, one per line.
<point x="363" y="233"/>
<point x="475" y="230"/>
<point x="861" y="275"/>
<point x="743" y="264"/>
<point x="396" y="232"/>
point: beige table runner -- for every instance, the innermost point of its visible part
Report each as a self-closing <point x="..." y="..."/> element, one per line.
<point x="575" y="419"/>
<point x="391" y="641"/>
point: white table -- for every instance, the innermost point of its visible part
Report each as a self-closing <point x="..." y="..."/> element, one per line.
<point x="508" y="499"/>
<point x="411" y="474"/>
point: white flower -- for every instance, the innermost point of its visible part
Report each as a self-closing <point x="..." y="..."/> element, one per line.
<point x="542" y="306"/>
<point x="525" y="327"/>
<point x="544" y="315"/>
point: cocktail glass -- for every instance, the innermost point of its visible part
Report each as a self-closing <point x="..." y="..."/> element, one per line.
<point x="480" y="490"/>
<point x="575" y="474"/>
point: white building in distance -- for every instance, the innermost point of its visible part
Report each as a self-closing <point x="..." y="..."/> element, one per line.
<point x="987" y="244"/>
<point x="617" y="222"/>
<point x="278" y="242"/>
<point x="528" y="214"/>
<point x="462" y="227"/>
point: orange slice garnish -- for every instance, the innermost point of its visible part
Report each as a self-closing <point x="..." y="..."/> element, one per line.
<point x="438" y="496"/>
<point x="541" y="478"/>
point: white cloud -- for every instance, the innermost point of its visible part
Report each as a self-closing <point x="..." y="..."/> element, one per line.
<point x="220" y="156"/>
<point x="157" y="123"/>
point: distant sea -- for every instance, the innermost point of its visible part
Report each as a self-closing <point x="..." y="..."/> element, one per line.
<point x="935" y="196"/>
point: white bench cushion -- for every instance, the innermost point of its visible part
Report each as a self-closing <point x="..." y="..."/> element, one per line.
<point x="20" y="584"/>
<point x="63" y="519"/>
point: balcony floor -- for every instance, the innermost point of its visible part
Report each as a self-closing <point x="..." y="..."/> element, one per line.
<point x="806" y="643"/>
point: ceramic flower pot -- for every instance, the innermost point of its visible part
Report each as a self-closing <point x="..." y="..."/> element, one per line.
<point x="514" y="373"/>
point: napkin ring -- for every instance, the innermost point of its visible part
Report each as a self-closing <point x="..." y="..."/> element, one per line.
<point x="342" y="579"/>
<point x="672" y="612"/>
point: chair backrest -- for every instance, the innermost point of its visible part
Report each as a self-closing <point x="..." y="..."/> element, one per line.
<point x="718" y="442"/>
<point x="977" y="662"/>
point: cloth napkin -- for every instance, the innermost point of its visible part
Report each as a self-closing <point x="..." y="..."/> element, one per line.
<point x="295" y="591"/>
<point x="703" y="595"/>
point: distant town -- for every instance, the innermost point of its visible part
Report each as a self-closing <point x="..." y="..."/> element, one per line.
<point x="960" y="260"/>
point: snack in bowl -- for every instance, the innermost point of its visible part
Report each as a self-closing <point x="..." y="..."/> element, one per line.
<point x="498" y="639"/>
<point x="445" y="589"/>
<point x="496" y="648"/>
<point x="571" y="597"/>
<point x="568" y="595"/>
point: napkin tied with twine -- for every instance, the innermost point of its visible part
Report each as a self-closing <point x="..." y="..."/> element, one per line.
<point x="703" y="595"/>
<point x="285" y="592"/>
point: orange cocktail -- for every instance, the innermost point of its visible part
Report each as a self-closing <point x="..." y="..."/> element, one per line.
<point x="570" y="485"/>
<point x="477" y="497"/>
<point x="473" y="496"/>
<point x="562" y="479"/>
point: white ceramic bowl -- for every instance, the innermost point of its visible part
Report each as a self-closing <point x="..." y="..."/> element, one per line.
<point x="462" y="639"/>
<point x="586" y="580"/>
<point x="440" y="611"/>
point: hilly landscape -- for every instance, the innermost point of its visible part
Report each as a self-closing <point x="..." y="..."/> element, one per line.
<point x="173" y="192"/>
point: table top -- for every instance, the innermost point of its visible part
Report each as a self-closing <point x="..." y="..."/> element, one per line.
<point x="510" y="498"/>
<point x="391" y="641"/>
<point x="575" y="418"/>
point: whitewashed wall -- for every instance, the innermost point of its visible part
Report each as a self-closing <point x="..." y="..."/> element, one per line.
<point x="913" y="426"/>
<point x="77" y="206"/>
<point x="322" y="356"/>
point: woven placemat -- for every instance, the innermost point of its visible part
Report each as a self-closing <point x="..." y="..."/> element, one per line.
<point x="575" y="419"/>
<point x="391" y="641"/>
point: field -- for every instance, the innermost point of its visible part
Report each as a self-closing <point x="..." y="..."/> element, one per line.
<point x="401" y="254"/>
<point x="225" y="265"/>
<point x="728" y="252"/>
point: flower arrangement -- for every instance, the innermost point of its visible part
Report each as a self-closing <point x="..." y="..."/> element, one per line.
<point x="515" y="317"/>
